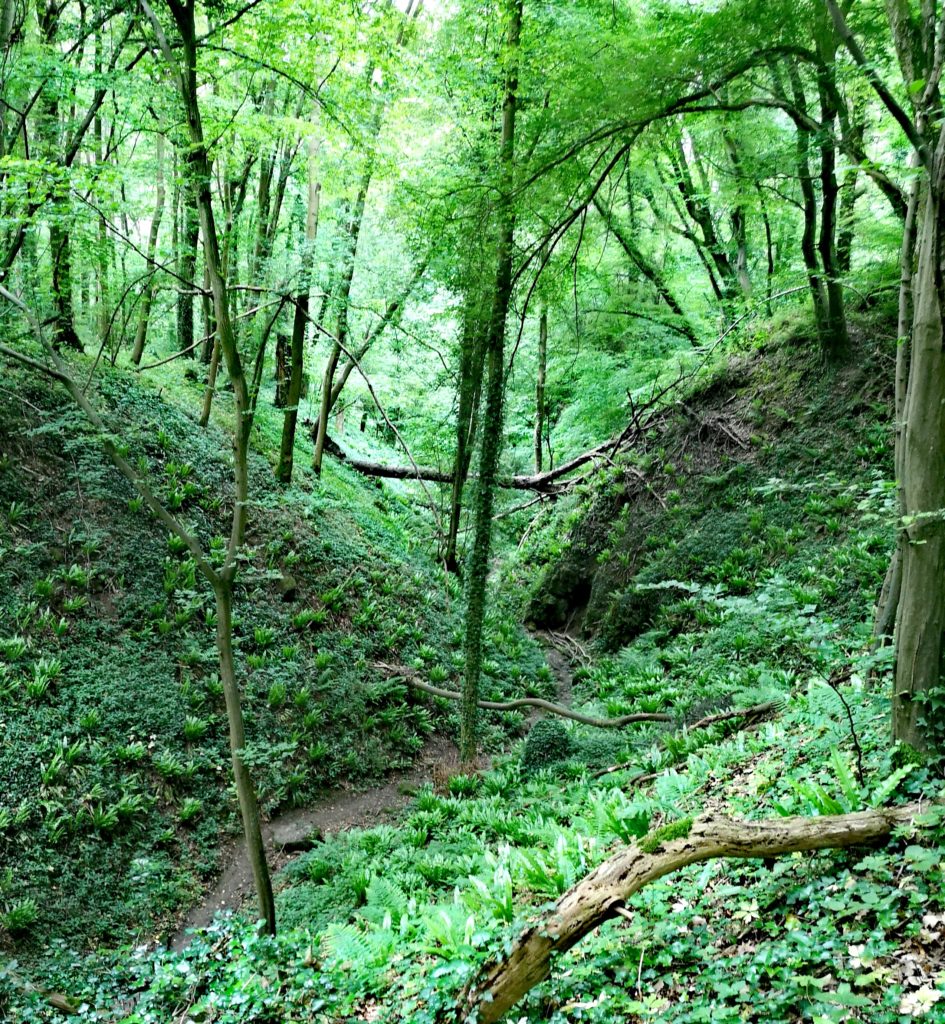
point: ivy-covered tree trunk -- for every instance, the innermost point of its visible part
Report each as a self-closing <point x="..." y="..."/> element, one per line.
<point x="539" y="437"/>
<point x="471" y="364"/>
<point x="495" y="384"/>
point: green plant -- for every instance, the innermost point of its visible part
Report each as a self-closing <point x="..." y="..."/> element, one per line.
<point x="19" y="917"/>
<point x="190" y="810"/>
<point x="309" y="617"/>
<point x="195" y="728"/>
<point x="264" y="637"/>
<point x="548" y="743"/>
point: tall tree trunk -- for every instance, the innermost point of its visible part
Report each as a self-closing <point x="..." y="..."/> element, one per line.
<point x="700" y="213"/>
<point x="887" y="605"/>
<point x="280" y="398"/>
<point x="769" y="247"/>
<point x="60" y="242"/>
<point x="102" y="263"/>
<point x="186" y="73"/>
<point x="835" y="343"/>
<point x="187" y="265"/>
<point x="471" y="362"/>
<point x="213" y="369"/>
<point x="341" y="302"/>
<point x="390" y="318"/>
<point x="809" y="235"/>
<point x="846" y="220"/>
<point x="539" y="437"/>
<point x="141" y="335"/>
<point x="739" y="215"/>
<point x="300" y="323"/>
<point x="495" y="384"/>
<point x="920" y="621"/>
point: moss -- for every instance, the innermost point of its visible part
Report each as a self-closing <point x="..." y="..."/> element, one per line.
<point x="651" y="842"/>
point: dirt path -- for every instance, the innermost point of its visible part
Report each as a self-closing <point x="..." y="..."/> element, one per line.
<point x="289" y="834"/>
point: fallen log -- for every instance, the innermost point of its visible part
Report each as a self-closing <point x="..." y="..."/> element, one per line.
<point x="412" y="679"/>
<point x="603" y="894"/>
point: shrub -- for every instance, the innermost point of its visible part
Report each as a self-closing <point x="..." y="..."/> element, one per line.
<point x="548" y="743"/>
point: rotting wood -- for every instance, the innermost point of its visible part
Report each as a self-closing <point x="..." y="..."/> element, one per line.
<point x="603" y="894"/>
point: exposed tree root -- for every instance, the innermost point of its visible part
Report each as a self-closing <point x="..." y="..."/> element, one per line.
<point x="412" y="679"/>
<point x="603" y="894"/>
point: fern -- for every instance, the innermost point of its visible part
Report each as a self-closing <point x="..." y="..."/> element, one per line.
<point x="848" y="784"/>
<point x="824" y="703"/>
<point x="885" y="789"/>
<point x="385" y="898"/>
<point x="351" y="947"/>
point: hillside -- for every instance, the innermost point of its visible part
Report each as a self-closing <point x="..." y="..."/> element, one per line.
<point x="770" y="609"/>
<point x="114" y="770"/>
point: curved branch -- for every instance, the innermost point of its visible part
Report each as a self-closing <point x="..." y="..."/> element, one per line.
<point x="410" y="677"/>
<point x="603" y="894"/>
<point x="879" y="86"/>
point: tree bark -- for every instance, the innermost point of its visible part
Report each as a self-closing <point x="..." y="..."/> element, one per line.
<point x="471" y="363"/>
<point x="921" y="612"/>
<point x="341" y="320"/>
<point x="390" y="318"/>
<point x="604" y="893"/>
<point x="539" y="436"/>
<point x="187" y="265"/>
<point x="300" y="324"/>
<point x="835" y="342"/>
<point x="186" y="74"/>
<point x="809" y="235"/>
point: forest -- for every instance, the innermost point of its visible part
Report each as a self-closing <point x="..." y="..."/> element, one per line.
<point x="472" y="511"/>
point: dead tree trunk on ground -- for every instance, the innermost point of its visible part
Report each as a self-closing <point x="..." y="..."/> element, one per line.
<point x="604" y="893"/>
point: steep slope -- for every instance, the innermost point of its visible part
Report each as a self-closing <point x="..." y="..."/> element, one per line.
<point x="114" y="771"/>
<point x="391" y="923"/>
<point x="745" y="469"/>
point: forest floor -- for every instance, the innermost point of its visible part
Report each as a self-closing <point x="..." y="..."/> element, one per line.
<point x="289" y="834"/>
<point x="295" y="831"/>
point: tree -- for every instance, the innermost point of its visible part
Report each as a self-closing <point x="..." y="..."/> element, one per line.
<point x="491" y="444"/>
<point x="185" y="75"/>
<point x="920" y="393"/>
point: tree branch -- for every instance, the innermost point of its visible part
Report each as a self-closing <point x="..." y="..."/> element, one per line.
<point x="412" y="679"/>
